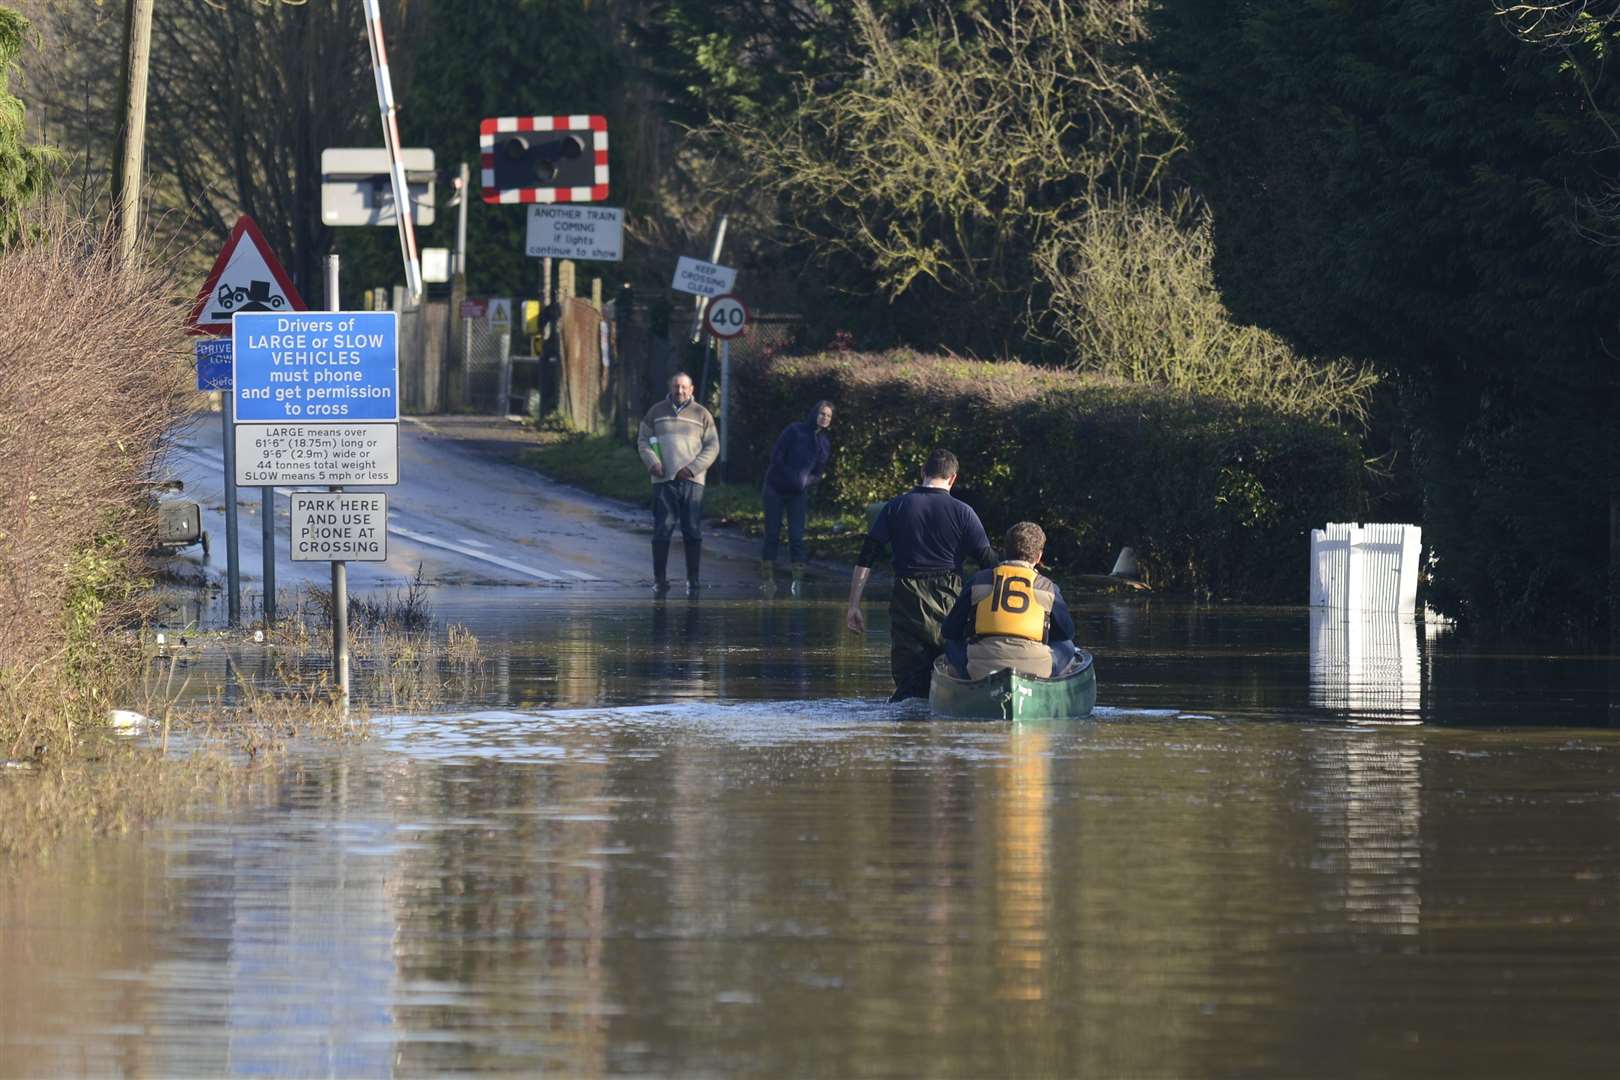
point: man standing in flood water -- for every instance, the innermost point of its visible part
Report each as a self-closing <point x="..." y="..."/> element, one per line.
<point x="931" y="533"/>
<point x="678" y="442"/>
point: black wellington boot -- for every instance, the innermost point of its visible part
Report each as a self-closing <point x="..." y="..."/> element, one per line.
<point x="694" y="558"/>
<point x="660" y="564"/>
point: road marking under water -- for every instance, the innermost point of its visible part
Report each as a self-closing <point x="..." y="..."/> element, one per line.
<point x="483" y="556"/>
<point x="464" y="547"/>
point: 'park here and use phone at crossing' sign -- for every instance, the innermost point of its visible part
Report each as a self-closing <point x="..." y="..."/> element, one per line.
<point x="316" y="397"/>
<point x="339" y="526"/>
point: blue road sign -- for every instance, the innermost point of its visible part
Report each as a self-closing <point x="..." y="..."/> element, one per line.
<point x="214" y="364"/>
<point x="316" y="367"/>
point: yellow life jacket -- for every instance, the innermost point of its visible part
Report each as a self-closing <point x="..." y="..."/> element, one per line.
<point x="1010" y="606"/>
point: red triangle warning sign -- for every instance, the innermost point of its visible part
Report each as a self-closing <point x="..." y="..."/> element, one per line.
<point x="246" y="277"/>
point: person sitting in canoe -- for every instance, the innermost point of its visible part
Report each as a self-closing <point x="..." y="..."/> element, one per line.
<point x="1010" y="616"/>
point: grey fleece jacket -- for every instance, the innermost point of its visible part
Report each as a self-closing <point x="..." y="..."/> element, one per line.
<point x="686" y="438"/>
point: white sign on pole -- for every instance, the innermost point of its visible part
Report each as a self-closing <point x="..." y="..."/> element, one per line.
<point x="339" y="526"/>
<point x="307" y="453"/>
<point x="436" y="265"/>
<point x="702" y="278"/>
<point x="500" y="316"/>
<point x="357" y="185"/>
<point x="563" y="231"/>
<point x="727" y="316"/>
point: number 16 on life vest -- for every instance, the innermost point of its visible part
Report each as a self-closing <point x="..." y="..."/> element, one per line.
<point x="1009" y="594"/>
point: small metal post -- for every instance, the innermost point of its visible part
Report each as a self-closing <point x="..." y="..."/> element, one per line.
<point x="340" y="626"/>
<point x="267" y="532"/>
<point x="466" y="360"/>
<point x="233" y="565"/>
<point x="340" y="569"/>
<point x="725" y="408"/>
<point x="700" y="304"/>
<point x="543" y="349"/>
<point x="503" y="345"/>
<point x="461" y="222"/>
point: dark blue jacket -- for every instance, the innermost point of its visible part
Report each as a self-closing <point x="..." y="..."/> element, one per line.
<point x="930" y="532"/>
<point x="798" y="459"/>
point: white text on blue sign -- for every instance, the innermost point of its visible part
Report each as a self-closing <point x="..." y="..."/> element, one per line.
<point x="316" y="366"/>
<point x="214" y="364"/>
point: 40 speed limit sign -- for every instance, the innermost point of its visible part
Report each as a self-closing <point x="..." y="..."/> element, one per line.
<point x="727" y="317"/>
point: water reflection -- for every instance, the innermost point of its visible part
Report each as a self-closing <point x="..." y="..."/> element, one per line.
<point x="1366" y="665"/>
<point x="1368" y="788"/>
<point x="690" y="839"/>
<point x="1023" y="836"/>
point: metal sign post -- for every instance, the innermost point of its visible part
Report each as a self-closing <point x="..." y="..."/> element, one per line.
<point x="233" y="568"/>
<point x="726" y="318"/>
<point x="725" y="409"/>
<point x="340" y="569"/>
<point x="267" y="536"/>
<point x="214" y="373"/>
<point x="705" y="288"/>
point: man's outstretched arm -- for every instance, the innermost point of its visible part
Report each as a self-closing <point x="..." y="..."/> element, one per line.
<point x="857" y="585"/>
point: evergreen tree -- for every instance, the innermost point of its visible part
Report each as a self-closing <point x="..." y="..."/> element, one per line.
<point x="1409" y="183"/>
<point x="24" y="169"/>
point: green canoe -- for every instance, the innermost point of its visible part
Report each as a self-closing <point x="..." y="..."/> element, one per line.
<point x="1008" y="695"/>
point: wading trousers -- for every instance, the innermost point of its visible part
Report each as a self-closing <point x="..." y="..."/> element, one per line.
<point x="677" y="504"/>
<point x="917" y="610"/>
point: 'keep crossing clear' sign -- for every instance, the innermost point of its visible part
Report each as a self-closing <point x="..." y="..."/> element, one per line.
<point x="320" y="366"/>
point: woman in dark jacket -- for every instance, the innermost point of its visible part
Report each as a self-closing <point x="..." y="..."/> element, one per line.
<point x="798" y="461"/>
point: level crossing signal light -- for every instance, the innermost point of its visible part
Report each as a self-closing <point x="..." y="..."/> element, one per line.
<point x="544" y="159"/>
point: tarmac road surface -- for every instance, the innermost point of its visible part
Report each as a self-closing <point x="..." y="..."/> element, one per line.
<point x="464" y="512"/>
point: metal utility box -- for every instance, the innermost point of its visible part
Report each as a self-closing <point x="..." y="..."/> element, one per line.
<point x="179" y="522"/>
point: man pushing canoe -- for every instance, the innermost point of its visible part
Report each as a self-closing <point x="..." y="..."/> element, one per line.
<point x="930" y="533"/>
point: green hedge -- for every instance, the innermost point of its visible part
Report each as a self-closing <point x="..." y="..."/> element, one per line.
<point x="1216" y="499"/>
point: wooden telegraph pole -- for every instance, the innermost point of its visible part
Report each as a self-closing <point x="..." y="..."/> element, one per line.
<point x="132" y="145"/>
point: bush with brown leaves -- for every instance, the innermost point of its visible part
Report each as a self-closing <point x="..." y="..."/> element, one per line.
<point x="93" y="379"/>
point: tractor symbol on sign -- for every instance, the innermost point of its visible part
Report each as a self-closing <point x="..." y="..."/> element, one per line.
<point x="256" y="297"/>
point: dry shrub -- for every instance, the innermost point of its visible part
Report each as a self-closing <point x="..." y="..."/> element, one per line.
<point x="1133" y="295"/>
<point x="93" y="379"/>
<point x="945" y="166"/>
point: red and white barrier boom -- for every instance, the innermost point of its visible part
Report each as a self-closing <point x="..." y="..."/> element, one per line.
<point x="396" y="164"/>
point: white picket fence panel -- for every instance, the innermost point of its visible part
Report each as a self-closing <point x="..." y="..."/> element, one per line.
<point x="1365" y="567"/>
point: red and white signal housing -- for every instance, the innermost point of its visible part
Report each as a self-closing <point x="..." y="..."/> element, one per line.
<point x="544" y="159"/>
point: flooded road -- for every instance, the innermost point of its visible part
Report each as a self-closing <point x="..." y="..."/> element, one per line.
<point x="684" y="838"/>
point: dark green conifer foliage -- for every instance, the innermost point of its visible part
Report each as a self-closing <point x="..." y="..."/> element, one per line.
<point x="24" y="169"/>
<point x="1408" y="182"/>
